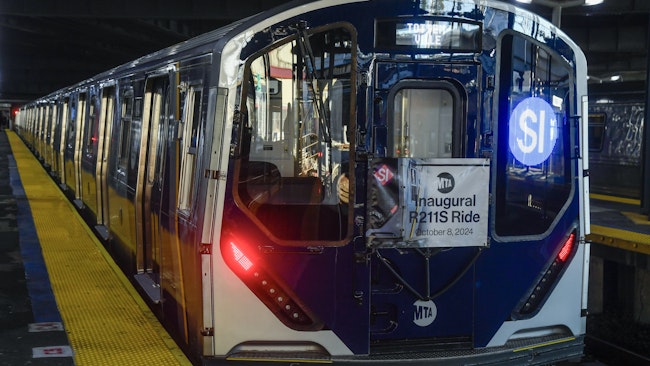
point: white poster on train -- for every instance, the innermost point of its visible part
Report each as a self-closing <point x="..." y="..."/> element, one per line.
<point x="445" y="202"/>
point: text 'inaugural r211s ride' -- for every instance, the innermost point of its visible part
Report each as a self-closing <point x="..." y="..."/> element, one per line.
<point x="343" y="181"/>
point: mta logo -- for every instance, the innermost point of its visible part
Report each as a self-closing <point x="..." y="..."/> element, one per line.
<point x="424" y="313"/>
<point x="445" y="182"/>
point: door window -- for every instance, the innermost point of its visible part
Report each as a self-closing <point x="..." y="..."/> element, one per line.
<point x="423" y="123"/>
<point x="126" y="115"/>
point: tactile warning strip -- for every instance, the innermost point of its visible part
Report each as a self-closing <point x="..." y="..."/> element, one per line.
<point x="106" y="321"/>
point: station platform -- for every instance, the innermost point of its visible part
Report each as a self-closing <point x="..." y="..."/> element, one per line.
<point x="63" y="301"/>
<point x="617" y="222"/>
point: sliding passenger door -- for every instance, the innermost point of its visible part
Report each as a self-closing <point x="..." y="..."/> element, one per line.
<point x="106" y="116"/>
<point x="63" y="141"/>
<point x="79" y="122"/>
<point x="150" y="184"/>
<point x="70" y="146"/>
<point x="88" y="155"/>
<point x="52" y="118"/>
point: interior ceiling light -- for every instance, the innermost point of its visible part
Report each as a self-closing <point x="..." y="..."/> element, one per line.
<point x="593" y="2"/>
<point x="525" y="1"/>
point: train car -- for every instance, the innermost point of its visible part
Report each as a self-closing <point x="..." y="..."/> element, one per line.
<point x="365" y="181"/>
<point x="615" y="144"/>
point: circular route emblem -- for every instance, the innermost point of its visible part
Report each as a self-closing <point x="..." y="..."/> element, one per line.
<point x="533" y="131"/>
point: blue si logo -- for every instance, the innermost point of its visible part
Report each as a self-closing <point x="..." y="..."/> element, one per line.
<point x="533" y="131"/>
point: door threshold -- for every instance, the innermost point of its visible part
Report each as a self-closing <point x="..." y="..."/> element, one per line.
<point x="151" y="288"/>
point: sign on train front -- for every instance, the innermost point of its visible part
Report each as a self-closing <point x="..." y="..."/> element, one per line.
<point x="533" y="131"/>
<point x="429" y="202"/>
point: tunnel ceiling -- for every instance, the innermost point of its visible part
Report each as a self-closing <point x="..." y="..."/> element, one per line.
<point x="48" y="44"/>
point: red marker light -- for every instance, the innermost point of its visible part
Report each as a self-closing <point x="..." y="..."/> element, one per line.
<point x="566" y="248"/>
<point x="239" y="256"/>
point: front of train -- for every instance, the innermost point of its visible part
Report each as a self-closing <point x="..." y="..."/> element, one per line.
<point x="406" y="181"/>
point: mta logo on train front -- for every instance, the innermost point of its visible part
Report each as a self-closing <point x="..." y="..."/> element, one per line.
<point x="424" y="312"/>
<point x="533" y="131"/>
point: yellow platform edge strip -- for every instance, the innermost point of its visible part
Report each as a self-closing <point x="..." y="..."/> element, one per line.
<point x="622" y="239"/>
<point x="603" y="197"/>
<point x="115" y="329"/>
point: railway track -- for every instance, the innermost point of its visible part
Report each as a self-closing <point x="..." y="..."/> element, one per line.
<point x="612" y="354"/>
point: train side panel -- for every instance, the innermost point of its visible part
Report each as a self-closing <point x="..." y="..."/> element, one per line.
<point x="615" y="146"/>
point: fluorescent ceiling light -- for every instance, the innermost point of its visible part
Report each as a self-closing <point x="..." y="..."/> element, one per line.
<point x="593" y="2"/>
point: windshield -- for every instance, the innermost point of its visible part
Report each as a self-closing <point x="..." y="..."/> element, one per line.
<point x="293" y="173"/>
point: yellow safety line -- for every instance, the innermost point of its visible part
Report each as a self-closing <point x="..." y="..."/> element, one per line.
<point x="603" y="197"/>
<point x="622" y="239"/>
<point x="106" y="320"/>
<point x="544" y="344"/>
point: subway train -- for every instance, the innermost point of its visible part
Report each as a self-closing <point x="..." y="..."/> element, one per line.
<point x="615" y="144"/>
<point x="350" y="182"/>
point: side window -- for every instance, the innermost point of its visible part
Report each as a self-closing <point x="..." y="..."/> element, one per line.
<point x="597" y="131"/>
<point x="92" y="125"/>
<point x="293" y="174"/>
<point x="104" y="128"/>
<point x="189" y="140"/>
<point x="71" y="124"/>
<point x="82" y="123"/>
<point x="126" y="115"/>
<point x="534" y="179"/>
<point x="65" y="120"/>
<point x="51" y="122"/>
<point x="158" y="128"/>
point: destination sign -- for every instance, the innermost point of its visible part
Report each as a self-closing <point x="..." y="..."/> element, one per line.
<point x="428" y="34"/>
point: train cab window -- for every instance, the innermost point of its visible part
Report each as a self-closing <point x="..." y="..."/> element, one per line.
<point x="293" y="175"/>
<point x="423" y="116"/>
<point x="125" y="129"/>
<point x="534" y="160"/>
<point x="189" y="141"/>
<point x="596" y="131"/>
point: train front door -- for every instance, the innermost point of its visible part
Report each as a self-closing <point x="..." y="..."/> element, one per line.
<point x="422" y="279"/>
<point x="150" y="184"/>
